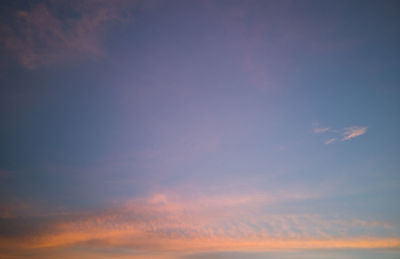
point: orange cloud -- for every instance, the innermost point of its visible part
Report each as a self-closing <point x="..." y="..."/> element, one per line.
<point x="177" y="224"/>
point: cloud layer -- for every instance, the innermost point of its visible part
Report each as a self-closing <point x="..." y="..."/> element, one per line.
<point x="42" y="35"/>
<point x="177" y="223"/>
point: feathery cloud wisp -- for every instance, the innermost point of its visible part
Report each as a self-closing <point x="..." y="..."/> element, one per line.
<point x="320" y="130"/>
<point x="354" y="131"/>
<point x="40" y="36"/>
<point x="347" y="133"/>
<point x="330" y="141"/>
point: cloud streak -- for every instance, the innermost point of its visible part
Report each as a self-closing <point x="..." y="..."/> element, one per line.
<point x="320" y="130"/>
<point x="176" y="223"/>
<point x="330" y="141"/>
<point x="354" y="131"/>
<point x="347" y="133"/>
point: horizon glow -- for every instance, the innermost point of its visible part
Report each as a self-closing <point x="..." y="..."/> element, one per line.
<point x="199" y="129"/>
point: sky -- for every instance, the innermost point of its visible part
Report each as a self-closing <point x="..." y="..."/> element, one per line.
<point x="199" y="129"/>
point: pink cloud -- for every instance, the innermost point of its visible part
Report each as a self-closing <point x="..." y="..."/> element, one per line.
<point x="354" y="131"/>
<point x="40" y="37"/>
<point x="320" y="130"/>
<point x="330" y="141"/>
<point x="175" y="222"/>
<point x="348" y="133"/>
<point x="13" y="208"/>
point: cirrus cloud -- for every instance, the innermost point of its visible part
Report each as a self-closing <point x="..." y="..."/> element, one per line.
<point x="354" y="131"/>
<point x="347" y="133"/>
<point x="175" y="223"/>
<point x="330" y="141"/>
<point x="320" y="130"/>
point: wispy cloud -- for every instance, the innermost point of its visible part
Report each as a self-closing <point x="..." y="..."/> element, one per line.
<point x="13" y="208"/>
<point x="347" y="133"/>
<point x="178" y="223"/>
<point x="354" y="131"/>
<point x="330" y="141"/>
<point x="320" y="130"/>
<point x="39" y="35"/>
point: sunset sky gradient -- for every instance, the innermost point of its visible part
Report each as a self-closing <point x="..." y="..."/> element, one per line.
<point x="199" y="129"/>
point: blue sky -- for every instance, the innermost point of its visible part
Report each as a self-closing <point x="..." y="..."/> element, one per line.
<point x="199" y="129"/>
